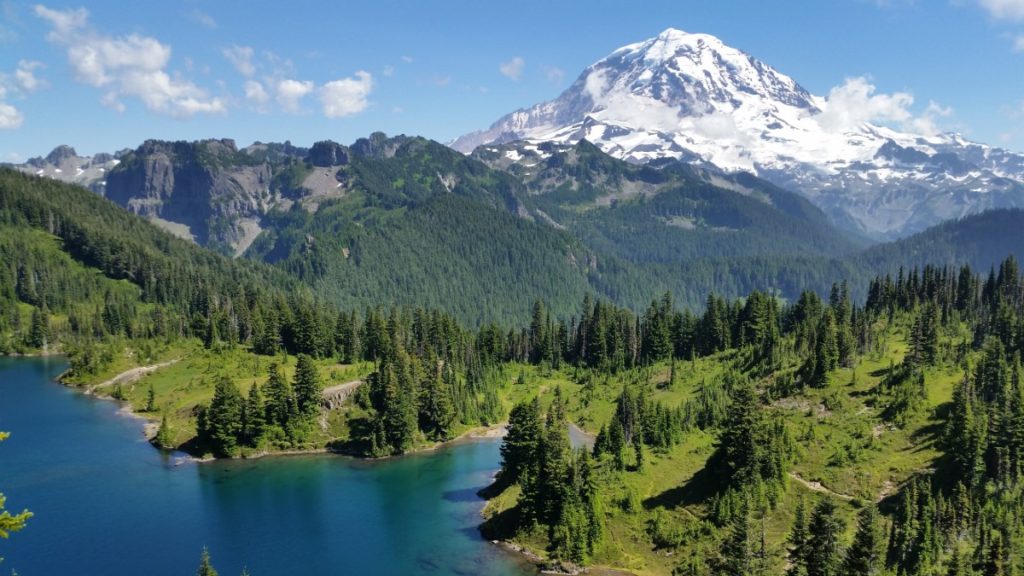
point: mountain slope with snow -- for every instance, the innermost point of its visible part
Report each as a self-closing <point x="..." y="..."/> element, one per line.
<point x="692" y="97"/>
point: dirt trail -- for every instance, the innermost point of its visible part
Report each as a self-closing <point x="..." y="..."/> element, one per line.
<point x="133" y="375"/>
<point x="818" y="487"/>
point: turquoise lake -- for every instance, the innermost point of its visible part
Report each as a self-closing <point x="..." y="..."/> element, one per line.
<point x="106" y="503"/>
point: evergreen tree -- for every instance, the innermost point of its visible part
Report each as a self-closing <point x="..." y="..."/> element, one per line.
<point x="224" y="417"/>
<point x="205" y="567"/>
<point x="279" y="401"/>
<point x="10" y="523"/>
<point x="826" y="349"/>
<point x="864" y="558"/>
<point x="39" y="333"/>
<point x="824" y="554"/>
<point x="163" y="439"/>
<point x="307" y="386"/>
<point x="737" y="558"/>
<point x="437" y="412"/>
<point x="519" y="447"/>
<point x="150" y="399"/>
<point x="739" y="441"/>
<point x="798" y="539"/>
<point x="253" y="416"/>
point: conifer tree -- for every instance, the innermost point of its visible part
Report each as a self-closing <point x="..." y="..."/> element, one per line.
<point x="307" y="386"/>
<point x="864" y="558"/>
<point x="437" y="412"/>
<point x="163" y="438"/>
<point x="205" y="567"/>
<point x="737" y="559"/>
<point x="279" y="400"/>
<point x="253" y="416"/>
<point x="519" y="447"/>
<point x="739" y="440"/>
<point x="10" y="522"/>
<point x="224" y="417"/>
<point x="824" y="554"/>
<point x="797" y="540"/>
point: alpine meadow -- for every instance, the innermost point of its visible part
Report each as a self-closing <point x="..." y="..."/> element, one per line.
<point x="679" y="314"/>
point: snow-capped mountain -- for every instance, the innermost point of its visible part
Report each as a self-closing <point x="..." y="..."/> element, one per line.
<point x="692" y="97"/>
<point x="64" y="164"/>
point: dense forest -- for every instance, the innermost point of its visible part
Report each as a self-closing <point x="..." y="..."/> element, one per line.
<point x="960" y="515"/>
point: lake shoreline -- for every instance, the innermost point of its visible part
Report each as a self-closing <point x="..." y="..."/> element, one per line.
<point x="151" y="425"/>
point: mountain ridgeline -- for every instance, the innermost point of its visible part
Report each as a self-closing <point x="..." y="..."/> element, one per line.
<point x="409" y="221"/>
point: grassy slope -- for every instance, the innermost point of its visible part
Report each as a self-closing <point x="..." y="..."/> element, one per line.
<point x="844" y="444"/>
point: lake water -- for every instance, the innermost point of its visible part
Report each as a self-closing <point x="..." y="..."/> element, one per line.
<point x="106" y="503"/>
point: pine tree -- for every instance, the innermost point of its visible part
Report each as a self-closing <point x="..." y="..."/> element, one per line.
<point x="39" y="331"/>
<point x="253" y="416"/>
<point x="826" y="349"/>
<point x="164" y="439"/>
<point x="279" y="400"/>
<point x="864" y="558"/>
<point x="205" y="567"/>
<point x="224" y="418"/>
<point x="150" y="399"/>
<point x="10" y="522"/>
<point x="739" y="440"/>
<point x="798" y="541"/>
<point x="307" y="386"/>
<point x="737" y="559"/>
<point x="437" y="412"/>
<point x="995" y="561"/>
<point x="824" y="554"/>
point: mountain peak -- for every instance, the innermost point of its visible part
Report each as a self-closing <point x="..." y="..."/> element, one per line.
<point x="691" y="97"/>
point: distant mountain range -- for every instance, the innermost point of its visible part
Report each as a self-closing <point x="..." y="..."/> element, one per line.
<point x="622" y="187"/>
<point x="693" y="98"/>
<point x="411" y="221"/>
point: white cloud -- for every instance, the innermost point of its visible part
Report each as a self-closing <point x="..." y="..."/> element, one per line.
<point x="346" y="96"/>
<point x="23" y="82"/>
<point x="1004" y="9"/>
<point x="241" y="58"/>
<point x="1018" y="44"/>
<point x="513" y="69"/>
<point x="388" y="71"/>
<point x="255" y="93"/>
<point x="407" y="59"/>
<point x="554" y="74"/>
<point x="291" y="92"/>
<point x="26" y="77"/>
<point x="928" y="122"/>
<point x="595" y="85"/>
<point x="203" y="18"/>
<point x="856" y="102"/>
<point x="10" y="118"/>
<point x="127" y="66"/>
<point x="64" y="22"/>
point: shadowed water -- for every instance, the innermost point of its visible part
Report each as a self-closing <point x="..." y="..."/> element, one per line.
<point x="107" y="503"/>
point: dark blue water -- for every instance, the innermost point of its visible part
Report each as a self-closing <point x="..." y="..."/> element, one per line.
<point x="106" y="503"/>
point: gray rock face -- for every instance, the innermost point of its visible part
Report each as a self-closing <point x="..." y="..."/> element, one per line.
<point x="208" y="187"/>
<point x="327" y="153"/>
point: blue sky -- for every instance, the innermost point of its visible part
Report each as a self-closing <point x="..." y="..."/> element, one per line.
<point x="103" y="76"/>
